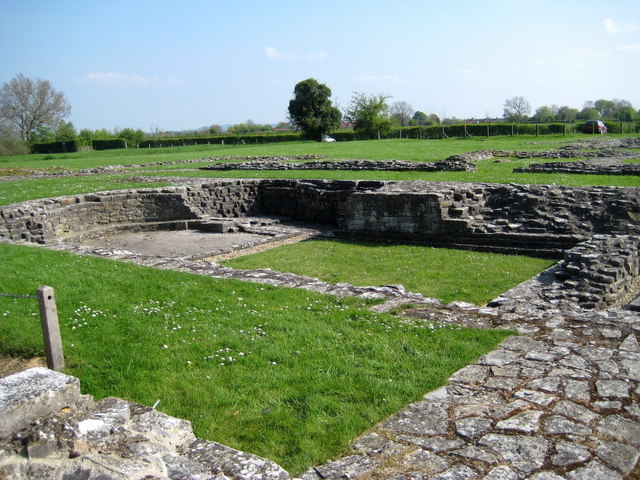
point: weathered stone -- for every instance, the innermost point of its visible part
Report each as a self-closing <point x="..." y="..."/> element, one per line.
<point x="472" y="427"/>
<point x="534" y="396"/>
<point x="501" y="473"/>
<point x="435" y="444"/>
<point x="618" y="455"/>
<point x="620" y="429"/>
<point x="557" y="424"/>
<point x="34" y="393"/>
<point x="574" y="411"/>
<point x="420" y="418"/>
<point x="630" y="344"/>
<point x="612" y="388"/>
<point x="568" y="453"/>
<point x="521" y="452"/>
<point x="593" y="470"/>
<point x="525" y="422"/>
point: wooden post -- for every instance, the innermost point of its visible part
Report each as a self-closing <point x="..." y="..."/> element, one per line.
<point x="487" y="130"/>
<point x="50" y="328"/>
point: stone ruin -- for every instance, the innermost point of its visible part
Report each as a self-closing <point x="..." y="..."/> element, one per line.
<point x="558" y="401"/>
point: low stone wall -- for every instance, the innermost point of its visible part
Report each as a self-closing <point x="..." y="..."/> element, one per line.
<point x="457" y="163"/>
<point x="583" y="168"/>
<point x="512" y="218"/>
<point x="48" y="430"/>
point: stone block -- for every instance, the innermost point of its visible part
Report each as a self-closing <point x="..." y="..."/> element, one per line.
<point x="32" y="394"/>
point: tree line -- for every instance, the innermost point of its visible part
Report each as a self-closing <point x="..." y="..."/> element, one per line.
<point x="33" y="111"/>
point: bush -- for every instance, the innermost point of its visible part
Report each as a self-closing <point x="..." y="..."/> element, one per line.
<point x="55" y="147"/>
<point x="111" y="144"/>
<point x="220" y="139"/>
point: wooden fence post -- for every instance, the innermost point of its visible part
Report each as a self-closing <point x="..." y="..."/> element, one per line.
<point x="50" y="328"/>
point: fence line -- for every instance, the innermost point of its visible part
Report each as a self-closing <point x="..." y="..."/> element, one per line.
<point x="50" y="326"/>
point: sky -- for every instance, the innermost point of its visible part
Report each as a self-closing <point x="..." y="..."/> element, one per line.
<point x="168" y="65"/>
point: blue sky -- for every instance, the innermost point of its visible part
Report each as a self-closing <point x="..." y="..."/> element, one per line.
<point x="188" y="64"/>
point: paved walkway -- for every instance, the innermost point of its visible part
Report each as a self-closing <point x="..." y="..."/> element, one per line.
<point x="558" y="401"/>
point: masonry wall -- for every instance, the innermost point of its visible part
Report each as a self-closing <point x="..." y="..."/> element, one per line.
<point x="462" y="215"/>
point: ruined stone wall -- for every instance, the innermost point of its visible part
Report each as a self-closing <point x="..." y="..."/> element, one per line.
<point x="510" y="218"/>
<point x="310" y="200"/>
<point x="224" y="198"/>
<point x="53" y="219"/>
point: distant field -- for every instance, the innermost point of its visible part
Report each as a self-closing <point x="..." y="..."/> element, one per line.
<point x="13" y="191"/>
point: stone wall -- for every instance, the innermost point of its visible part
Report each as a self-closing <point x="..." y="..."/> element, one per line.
<point x="510" y="218"/>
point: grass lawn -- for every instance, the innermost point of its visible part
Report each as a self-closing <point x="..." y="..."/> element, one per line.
<point x="283" y="373"/>
<point x="416" y="150"/>
<point x="441" y="273"/>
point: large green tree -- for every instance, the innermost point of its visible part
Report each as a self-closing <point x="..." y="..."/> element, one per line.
<point x="311" y="110"/>
<point x="369" y="114"/>
<point x="29" y="105"/>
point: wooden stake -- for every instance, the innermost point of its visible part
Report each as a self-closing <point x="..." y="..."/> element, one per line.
<point x="50" y="328"/>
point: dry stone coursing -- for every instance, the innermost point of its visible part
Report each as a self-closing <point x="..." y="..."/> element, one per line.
<point x="585" y="168"/>
<point x="456" y="163"/>
<point x="544" y="220"/>
<point x="57" y="433"/>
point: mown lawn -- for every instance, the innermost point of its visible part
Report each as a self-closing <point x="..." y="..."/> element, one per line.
<point x="283" y="373"/>
<point x="441" y="273"/>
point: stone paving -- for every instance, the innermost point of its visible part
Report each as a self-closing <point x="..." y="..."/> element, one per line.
<point x="558" y="401"/>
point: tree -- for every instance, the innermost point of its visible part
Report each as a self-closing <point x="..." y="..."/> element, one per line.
<point x="588" y="113"/>
<point x="567" y="114"/>
<point x="10" y="142"/>
<point x="401" y="112"/>
<point x="543" y="114"/>
<point x="28" y="104"/>
<point x="66" y="132"/>
<point x="133" y="137"/>
<point x="419" y="118"/>
<point x="516" y="109"/>
<point x="368" y="113"/>
<point x="606" y="108"/>
<point x="311" y="111"/>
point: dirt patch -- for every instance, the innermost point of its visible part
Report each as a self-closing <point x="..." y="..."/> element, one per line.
<point x="11" y="365"/>
<point x="182" y="243"/>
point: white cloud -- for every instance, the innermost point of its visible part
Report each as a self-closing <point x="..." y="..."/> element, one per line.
<point x="377" y="78"/>
<point x="111" y="78"/>
<point x="614" y="27"/>
<point x="634" y="47"/>
<point x="275" y="54"/>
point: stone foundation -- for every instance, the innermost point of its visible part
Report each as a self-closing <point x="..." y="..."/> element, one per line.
<point x="538" y="220"/>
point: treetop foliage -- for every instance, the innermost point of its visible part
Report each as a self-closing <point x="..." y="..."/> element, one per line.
<point x="369" y="114"/>
<point x="311" y="110"/>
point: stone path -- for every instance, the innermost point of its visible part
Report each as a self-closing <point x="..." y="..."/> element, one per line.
<point x="558" y="401"/>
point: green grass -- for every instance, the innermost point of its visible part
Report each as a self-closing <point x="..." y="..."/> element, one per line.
<point x="413" y="150"/>
<point x="440" y="273"/>
<point x="283" y="373"/>
<point x="405" y="149"/>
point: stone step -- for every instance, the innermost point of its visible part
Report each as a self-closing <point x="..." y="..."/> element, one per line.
<point x="32" y="394"/>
